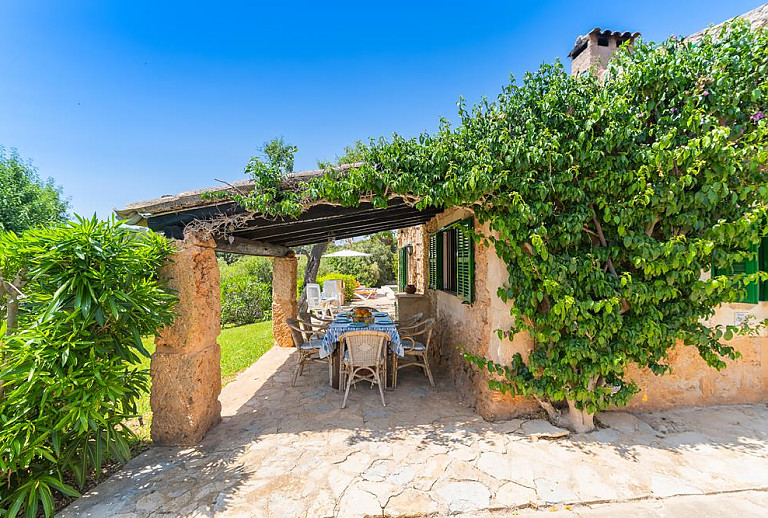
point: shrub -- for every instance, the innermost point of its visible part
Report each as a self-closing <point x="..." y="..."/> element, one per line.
<point x="258" y="268"/>
<point x="71" y="372"/>
<point x="245" y="300"/>
<point x="350" y="283"/>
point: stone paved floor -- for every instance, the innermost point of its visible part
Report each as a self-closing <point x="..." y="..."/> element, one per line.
<point x="282" y="452"/>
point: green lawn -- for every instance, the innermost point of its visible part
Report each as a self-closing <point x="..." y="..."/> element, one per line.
<point x="240" y="347"/>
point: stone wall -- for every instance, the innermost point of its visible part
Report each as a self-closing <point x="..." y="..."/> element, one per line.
<point x="467" y="326"/>
<point x="691" y="382"/>
<point x="418" y="262"/>
<point x="284" y="303"/>
<point x="186" y="375"/>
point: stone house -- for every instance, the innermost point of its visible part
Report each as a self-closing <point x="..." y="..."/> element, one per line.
<point x="456" y="282"/>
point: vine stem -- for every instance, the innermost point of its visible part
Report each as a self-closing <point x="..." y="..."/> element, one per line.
<point x="601" y="237"/>
<point x="609" y="262"/>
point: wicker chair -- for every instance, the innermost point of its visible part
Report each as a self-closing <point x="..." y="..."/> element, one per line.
<point x="363" y="359"/>
<point x="308" y="340"/>
<point x="314" y="320"/>
<point x="408" y="321"/>
<point x="416" y="339"/>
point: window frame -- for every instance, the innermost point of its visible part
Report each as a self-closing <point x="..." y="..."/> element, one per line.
<point x="463" y="260"/>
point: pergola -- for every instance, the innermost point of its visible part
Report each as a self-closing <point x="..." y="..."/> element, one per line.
<point x="186" y="379"/>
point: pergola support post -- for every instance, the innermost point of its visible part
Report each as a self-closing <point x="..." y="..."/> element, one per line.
<point x="185" y="368"/>
<point x="284" y="304"/>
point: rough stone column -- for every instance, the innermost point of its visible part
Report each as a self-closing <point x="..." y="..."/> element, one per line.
<point x="284" y="303"/>
<point x="185" y="368"/>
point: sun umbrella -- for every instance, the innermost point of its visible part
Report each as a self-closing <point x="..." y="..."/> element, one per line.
<point x="347" y="253"/>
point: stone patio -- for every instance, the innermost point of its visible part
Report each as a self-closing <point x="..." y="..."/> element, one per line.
<point x="285" y="451"/>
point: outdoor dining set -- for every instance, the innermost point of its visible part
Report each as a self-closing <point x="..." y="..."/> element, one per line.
<point x="360" y="345"/>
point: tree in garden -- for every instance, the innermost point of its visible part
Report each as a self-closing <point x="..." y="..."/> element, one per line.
<point x="72" y="370"/>
<point x="25" y="200"/>
<point x="607" y="200"/>
<point x="376" y="270"/>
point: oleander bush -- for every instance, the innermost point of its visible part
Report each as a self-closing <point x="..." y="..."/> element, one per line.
<point x="71" y="366"/>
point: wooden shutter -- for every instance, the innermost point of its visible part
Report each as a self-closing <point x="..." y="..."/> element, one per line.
<point x="402" y="279"/>
<point x="745" y="267"/>
<point x="436" y="261"/>
<point x="465" y="262"/>
<point x="763" y="259"/>
<point x="433" y="261"/>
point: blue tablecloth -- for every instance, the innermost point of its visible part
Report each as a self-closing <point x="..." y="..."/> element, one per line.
<point x="336" y="329"/>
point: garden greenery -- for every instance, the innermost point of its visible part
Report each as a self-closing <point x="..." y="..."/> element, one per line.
<point x="246" y="290"/>
<point x="71" y="370"/>
<point x="607" y="199"/>
<point x="349" y="283"/>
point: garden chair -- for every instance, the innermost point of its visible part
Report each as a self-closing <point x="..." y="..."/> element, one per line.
<point x="408" y="321"/>
<point x="416" y="339"/>
<point x="365" y="293"/>
<point x="363" y="360"/>
<point x="333" y="293"/>
<point x="315" y="302"/>
<point x="308" y="341"/>
<point x="314" y="319"/>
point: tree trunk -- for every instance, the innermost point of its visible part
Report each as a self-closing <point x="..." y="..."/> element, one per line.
<point x="310" y="274"/>
<point x="579" y="421"/>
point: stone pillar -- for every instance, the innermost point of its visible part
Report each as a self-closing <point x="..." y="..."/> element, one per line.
<point x="284" y="304"/>
<point x="185" y="368"/>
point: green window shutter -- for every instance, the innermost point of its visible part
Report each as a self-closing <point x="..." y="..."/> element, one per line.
<point x="753" y="290"/>
<point x="745" y="267"/>
<point x="433" y="261"/>
<point x="764" y="268"/>
<point x="402" y="280"/>
<point x="436" y="261"/>
<point x="465" y="262"/>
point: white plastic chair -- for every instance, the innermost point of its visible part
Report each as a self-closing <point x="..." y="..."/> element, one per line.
<point x="314" y="298"/>
<point x="333" y="293"/>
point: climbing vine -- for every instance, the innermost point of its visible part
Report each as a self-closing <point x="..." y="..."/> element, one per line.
<point x="607" y="199"/>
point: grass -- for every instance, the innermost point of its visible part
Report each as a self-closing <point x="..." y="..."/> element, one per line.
<point x="240" y="347"/>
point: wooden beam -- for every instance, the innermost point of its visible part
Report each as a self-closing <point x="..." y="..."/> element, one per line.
<point x="239" y="245"/>
<point x="354" y="232"/>
<point x="287" y="232"/>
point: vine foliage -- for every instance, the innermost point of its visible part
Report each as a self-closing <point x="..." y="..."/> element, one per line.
<point x="607" y="199"/>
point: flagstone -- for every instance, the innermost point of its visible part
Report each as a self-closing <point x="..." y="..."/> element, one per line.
<point x="294" y="452"/>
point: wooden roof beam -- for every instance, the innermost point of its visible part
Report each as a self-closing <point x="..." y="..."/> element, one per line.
<point x="242" y="246"/>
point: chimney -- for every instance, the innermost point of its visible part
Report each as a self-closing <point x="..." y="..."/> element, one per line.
<point x="594" y="49"/>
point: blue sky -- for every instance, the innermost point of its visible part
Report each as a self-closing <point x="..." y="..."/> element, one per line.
<point x="125" y="101"/>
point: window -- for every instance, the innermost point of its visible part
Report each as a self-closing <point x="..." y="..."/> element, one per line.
<point x="763" y="265"/>
<point x="402" y="273"/>
<point x="755" y="291"/>
<point x="452" y="260"/>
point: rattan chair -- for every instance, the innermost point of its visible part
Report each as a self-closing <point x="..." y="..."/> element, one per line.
<point x="308" y="341"/>
<point x="315" y="320"/>
<point x="408" y="321"/>
<point x="363" y="359"/>
<point x="416" y="339"/>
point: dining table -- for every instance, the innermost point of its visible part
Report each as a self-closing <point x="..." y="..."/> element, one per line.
<point x="343" y="323"/>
